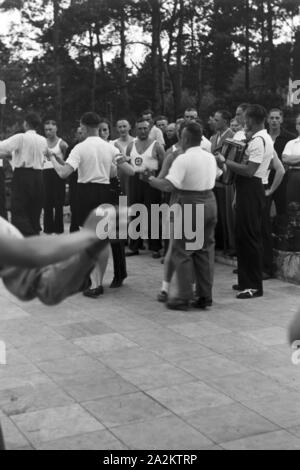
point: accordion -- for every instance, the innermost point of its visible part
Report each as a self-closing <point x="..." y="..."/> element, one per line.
<point x="232" y="150"/>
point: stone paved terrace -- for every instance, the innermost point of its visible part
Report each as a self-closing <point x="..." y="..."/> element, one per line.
<point x="123" y="372"/>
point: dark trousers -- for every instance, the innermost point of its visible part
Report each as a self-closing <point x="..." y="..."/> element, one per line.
<point x="27" y="200"/>
<point x="3" y="212"/>
<point x="140" y="192"/>
<point x="53" y="202"/>
<point x="293" y="187"/>
<point x="73" y="202"/>
<point x="2" y="446"/>
<point x="196" y="262"/>
<point x="89" y="197"/>
<point x="268" y="266"/>
<point x="280" y="197"/>
<point x="250" y="203"/>
<point x="119" y="260"/>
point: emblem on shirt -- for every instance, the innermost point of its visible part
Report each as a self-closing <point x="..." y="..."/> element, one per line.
<point x="138" y="161"/>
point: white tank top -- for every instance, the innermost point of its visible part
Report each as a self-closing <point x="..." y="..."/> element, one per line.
<point x="57" y="151"/>
<point x="144" y="161"/>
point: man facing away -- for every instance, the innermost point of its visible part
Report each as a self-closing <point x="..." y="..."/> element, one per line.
<point x="54" y="185"/>
<point x="28" y="152"/>
<point x="193" y="176"/>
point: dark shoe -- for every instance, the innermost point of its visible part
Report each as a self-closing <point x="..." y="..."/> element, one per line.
<point x="162" y="296"/>
<point x="237" y="287"/>
<point x="132" y="253"/>
<point x="117" y="283"/>
<point x="94" y="293"/>
<point x="162" y="261"/>
<point x="235" y="271"/>
<point x="178" y="304"/>
<point x="156" y="255"/>
<point x="249" y="294"/>
<point x="202" y="303"/>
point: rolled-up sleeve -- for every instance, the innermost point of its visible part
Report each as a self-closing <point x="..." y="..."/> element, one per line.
<point x="256" y="151"/>
<point x="11" y="144"/>
<point x="288" y="149"/>
<point x="176" y="174"/>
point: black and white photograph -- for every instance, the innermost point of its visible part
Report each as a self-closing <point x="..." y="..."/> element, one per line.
<point x="149" y="228"/>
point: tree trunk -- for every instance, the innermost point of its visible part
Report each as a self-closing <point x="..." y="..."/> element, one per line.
<point x="272" y="66"/>
<point x="124" y="85"/>
<point x="57" y="68"/>
<point x="156" y="28"/>
<point x="93" y="87"/>
<point x="179" y="70"/>
<point x="247" y="55"/>
<point x="263" y="41"/>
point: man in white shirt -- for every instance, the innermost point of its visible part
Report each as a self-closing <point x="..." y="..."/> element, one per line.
<point x="250" y="203"/>
<point x="28" y="152"/>
<point x="123" y="128"/>
<point x="94" y="160"/>
<point x="193" y="176"/>
<point x="3" y="212"/>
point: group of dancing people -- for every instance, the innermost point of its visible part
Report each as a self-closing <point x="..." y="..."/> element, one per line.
<point x="180" y="164"/>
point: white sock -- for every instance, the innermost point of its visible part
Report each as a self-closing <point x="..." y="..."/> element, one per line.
<point x="165" y="286"/>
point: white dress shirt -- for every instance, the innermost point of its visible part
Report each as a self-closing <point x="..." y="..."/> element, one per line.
<point x="156" y="134"/>
<point x="93" y="158"/>
<point x="261" y="150"/>
<point x="28" y="150"/>
<point x="194" y="170"/>
<point x="292" y="148"/>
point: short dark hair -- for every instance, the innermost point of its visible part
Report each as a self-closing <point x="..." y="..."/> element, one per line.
<point x="147" y="111"/>
<point x="104" y="120"/>
<point x="191" y="109"/>
<point x="33" y="120"/>
<point x="257" y="113"/>
<point x="243" y="106"/>
<point x="50" y="121"/>
<point x="161" y="118"/>
<point x="225" y="115"/>
<point x="195" y="132"/>
<point x="90" y="119"/>
<point x="276" y="110"/>
<point x="141" y="119"/>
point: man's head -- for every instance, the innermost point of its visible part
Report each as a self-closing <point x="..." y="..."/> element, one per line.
<point x="32" y="121"/>
<point x="142" y="129"/>
<point x="171" y="130"/>
<point x="211" y="123"/>
<point x="240" y="113"/>
<point x="123" y="127"/>
<point x="162" y="123"/>
<point x="298" y="124"/>
<point x="79" y="136"/>
<point x="191" y="135"/>
<point x="89" y="123"/>
<point x="50" y="129"/>
<point x="275" y="119"/>
<point x="222" y="120"/>
<point x="234" y="125"/>
<point x="190" y="114"/>
<point x="147" y="115"/>
<point x="104" y="129"/>
<point x="255" y="117"/>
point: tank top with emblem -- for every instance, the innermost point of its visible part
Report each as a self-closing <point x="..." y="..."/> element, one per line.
<point x="57" y="151"/>
<point x="143" y="161"/>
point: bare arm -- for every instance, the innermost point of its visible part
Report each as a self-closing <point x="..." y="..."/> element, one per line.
<point x="279" y="174"/>
<point x="63" y="147"/>
<point x="241" y="169"/>
<point x="160" y="152"/>
<point x="163" y="185"/>
<point x="291" y="159"/>
<point x="41" y="251"/>
<point x="63" y="171"/>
